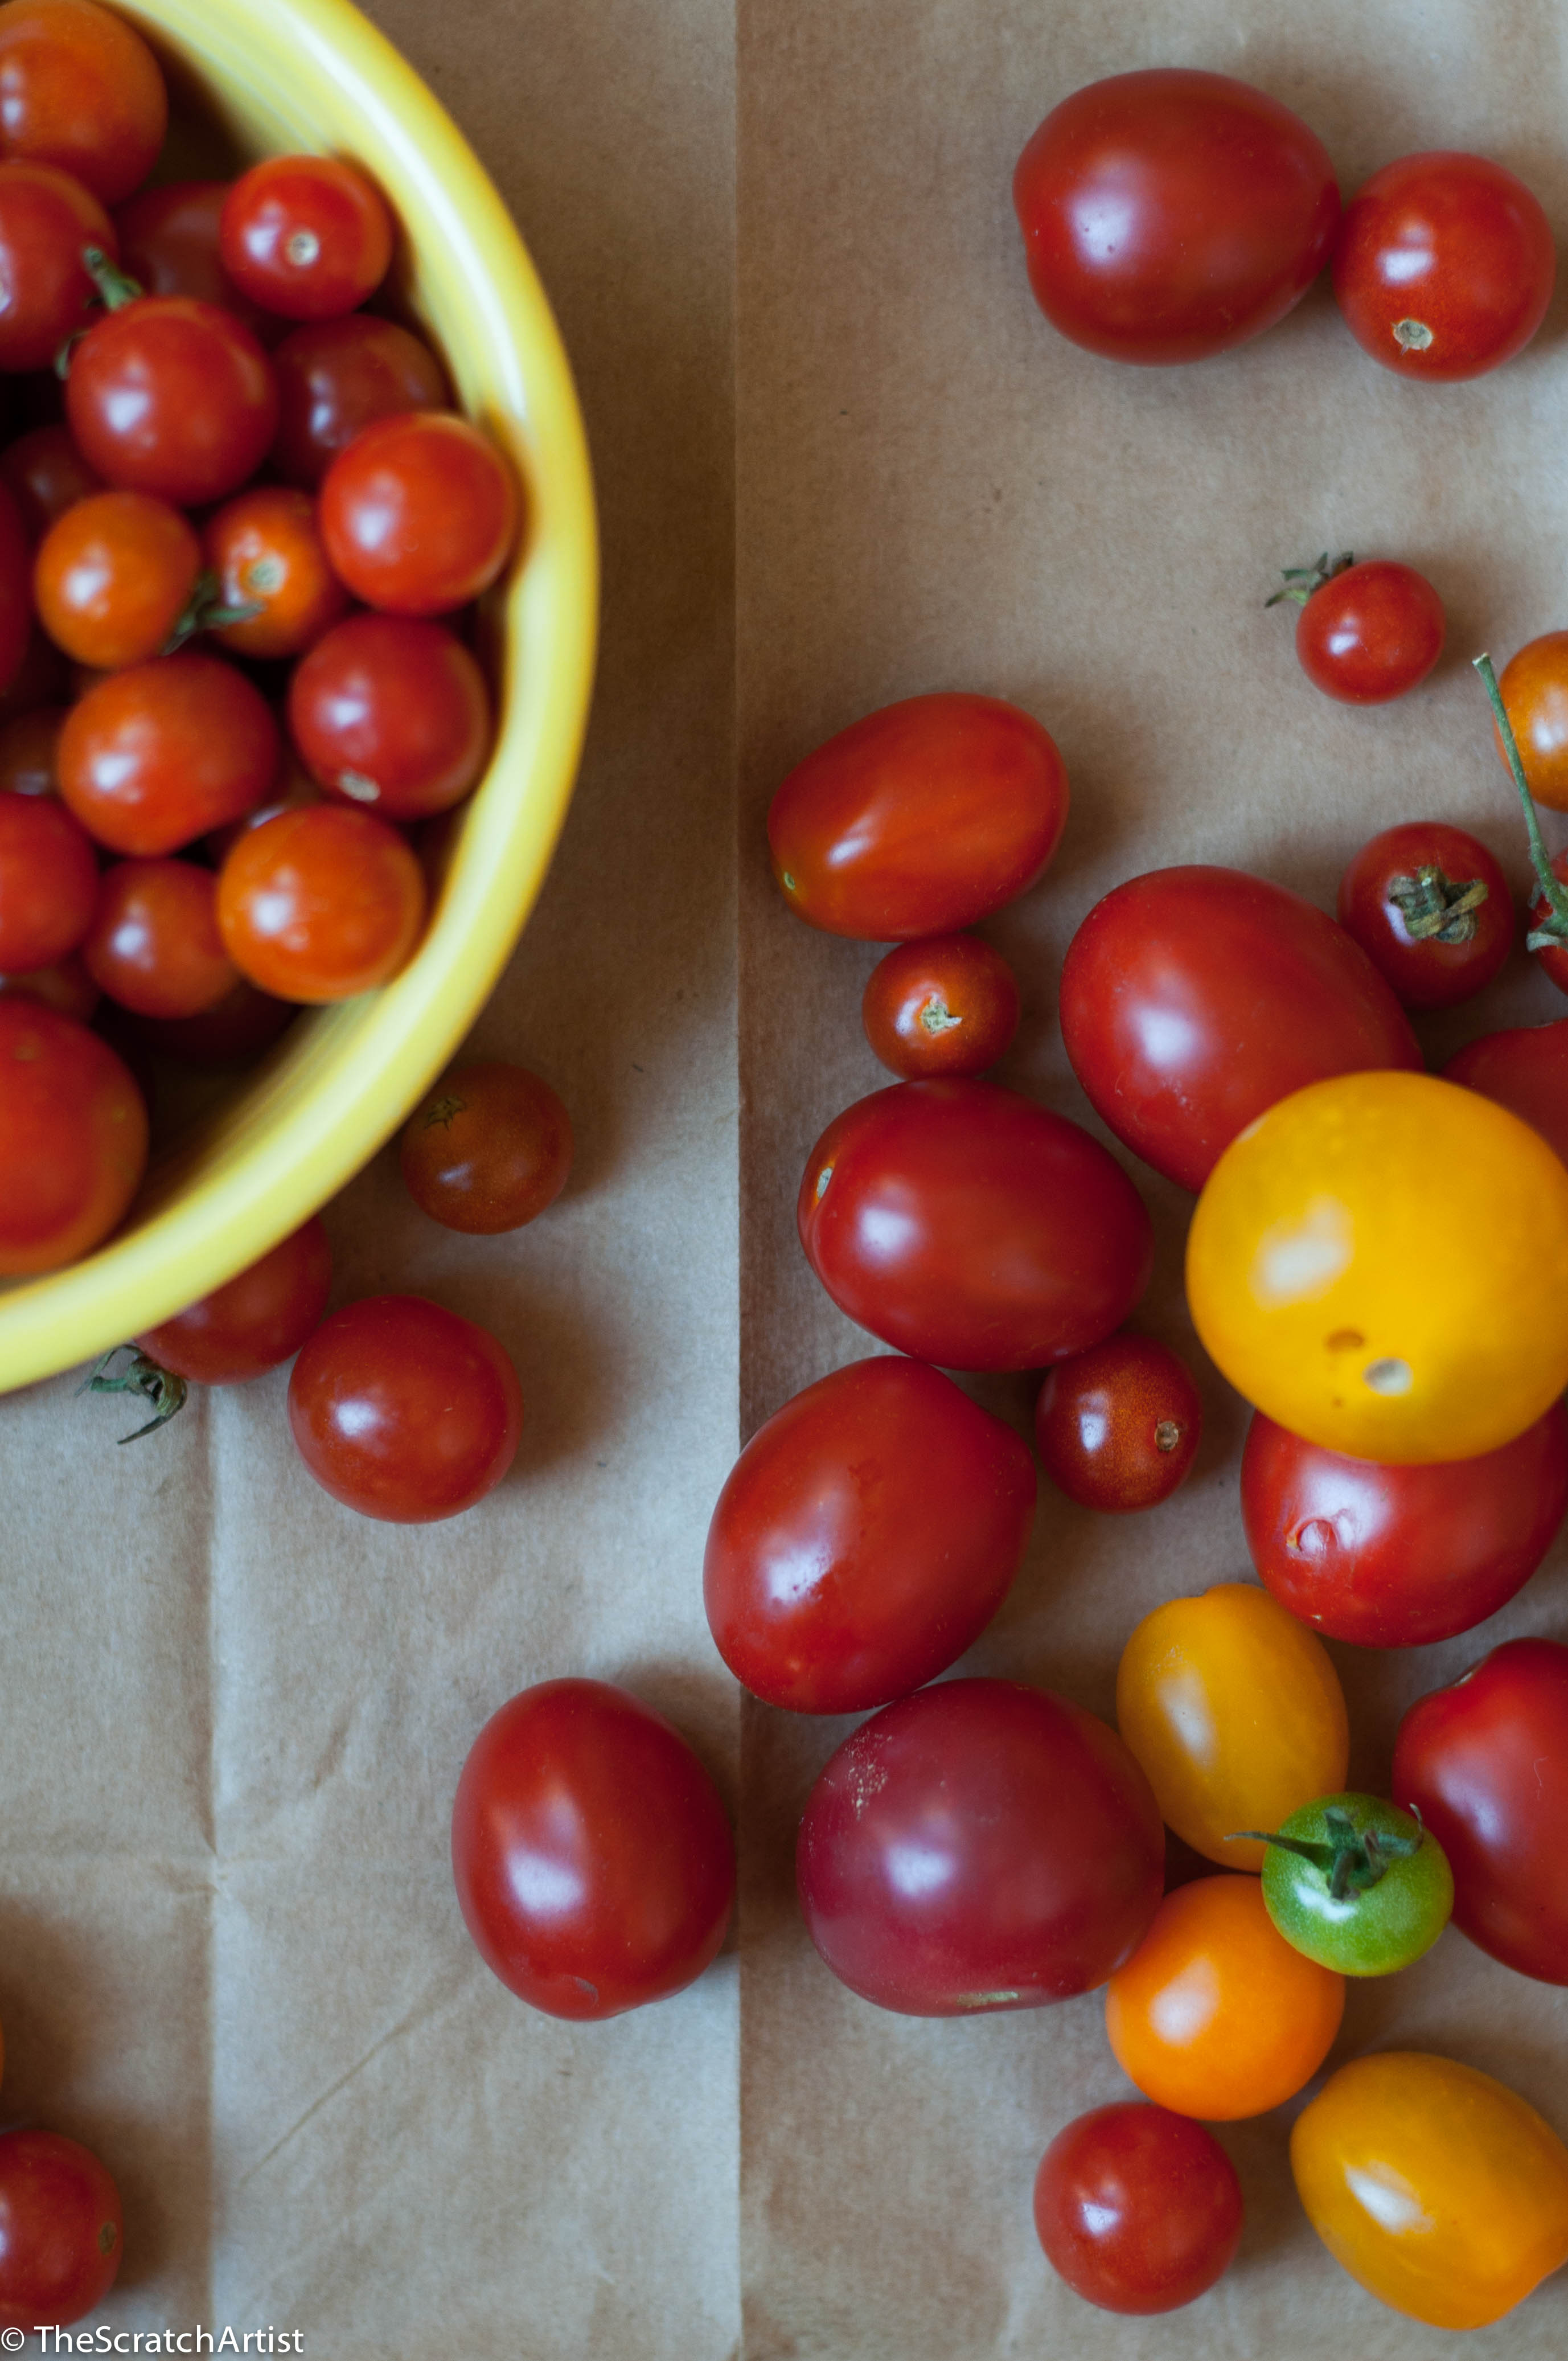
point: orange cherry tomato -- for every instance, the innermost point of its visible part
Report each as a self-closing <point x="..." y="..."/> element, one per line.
<point x="112" y="577"/>
<point x="488" y="1150"/>
<point x="154" y="944"/>
<point x="83" y="92"/>
<point x="267" y="553"/>
<point x="947" y="1004"/>
<point x="318" y="903"/>
<point x="1216" y="2015"/>
<point x="1534" y="686"/>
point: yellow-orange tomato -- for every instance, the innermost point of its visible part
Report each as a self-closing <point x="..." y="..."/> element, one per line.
<point x="1535" y="696"/>
<point x="1215" y="2014"/>
<point x="1436" y="2186"/>
<point x="1380" y="1263"/>
<point x="1235" y="1714"/>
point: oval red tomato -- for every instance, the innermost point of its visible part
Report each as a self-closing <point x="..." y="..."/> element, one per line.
<point x="1524" y="1070"/>
<point x="1443" y="265"/>
<point x="1138" y="2208"/>
<point x="1432" y="909"/>
<point x="155" y="755"/>
<point x="60" y="2230"/>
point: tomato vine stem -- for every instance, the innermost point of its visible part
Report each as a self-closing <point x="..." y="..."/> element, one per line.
<point x="1555" y="930"/>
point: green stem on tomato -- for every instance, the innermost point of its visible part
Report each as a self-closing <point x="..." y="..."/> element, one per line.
<point x="1555" y="891"/>
<point x="142" y="1376"/>
<point x="1352" y="1863"/>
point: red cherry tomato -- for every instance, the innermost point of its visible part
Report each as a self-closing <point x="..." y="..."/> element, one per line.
<point x="47" y="475"/>
<point x="1140" y="2211"/>
<point x="59" y="2212"/>
<point x="46" y="219"/>
<point x="1369" y="632"/>
<point x="1399" y="1557"/>
<point x="318" y="903"/>
<point x="419" y="513"/>
<point x="254" y="1321"/>
<point x="1193" y="999"/>
<point x="980" y="1845"/>
<point x="154" y="944"/>
<point x="241" y="1026"/>
<point x="65" y="985"/>
<point x="967" y="1226"/>
<point x="337" y="377"/>
<point x="29" y="746"/>
<point x="391" y="713"/>
<point x="49" y="881"/>
<point x="1485" y="1764"/>
<point x="1118" y="1426"/>
<point x="72" y="1137"/>
<point x="169" y="245"/>
<point x="15" y="608"/>
<point x="1534" y="688"/>
<point x="1552" y="956"/>
<point x="947" y="1005"/>
<point x="307" y="237"/>
<point x="488" y="1150"/>
<point x="114" y="577"/>
<point x="866" y="1536"/>
<point x="161" y="753"/>
<point x="1169" y="214"/>
<point x="1443" y="265"/>
<point x="919" y="820"/>
<point x="594" y="1862"/>
<point x="80" y="89"/>
<point x="172" y="396"/>
<point x="1524" y="1070"/>
<point x="1432" y="909"/>
<point x="266" y="550"/>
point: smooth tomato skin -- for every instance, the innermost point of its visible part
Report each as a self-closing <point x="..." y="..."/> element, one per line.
<point x="49" y="881"/>
<point x="154" y="944"/>
<point x="255" y="1320"/>
<point x="419" y="513"/>
<point x="1439" y="2189"/>
<point x="74" y="1137"/>
<point x="1400" y="1557"/>
<point x="114" y="576"/>
<point x="1371" y="1932"/>
<point x="154" y="756"/>
<point x="1170" y="215"/>
<point x="593" y="1859"/>
<point x="969" y="1227"/>
<point x="1552" y="957"/>
<point x="1138" y="2210"/>
<point x="488" y="1150"/>
<point x="946" y="1006"/>
<point x="393" y="714"/>
<point x="172" y="396"/>
<point x="1534" y="689"/>
<point x="15" y="607"/>
<point x="1443" y="265"/>
<point x="1194" y="998"/>
<point x="61" y="2228"/>
<point x="321" y="903"/>
<point x="865" y="1538"/>
<point x="919" y="820"/>
<point x="337" y="377"/>
<point x="1370" y="634"/>
<point x="46" y="474"/>
<point x="79" y="89"/>
<point x="404" y="1411"/>
<point x="1039" y="1845"/>
<point x="1216" y="2015"/>
<point x="1485" y="1764"/>
<point x="1524" y="1070"/>
<point x="1428" y="972"/>
<point x="46" y="219"/>
<point x="1118" y="1427"/>
<point x="308" y="236"/>
<point x="169" y="245"/>
<point x="266" y="550"/>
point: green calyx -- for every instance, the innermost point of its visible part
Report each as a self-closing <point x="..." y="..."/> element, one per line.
<point x="1434" y="907"/>
<point x="1352" y="1860"/>
<point x="205" y="610"/>
<point x="142" y="1376"/>
<point x="1300" y="581"/>
<point x="1554" y="928"/>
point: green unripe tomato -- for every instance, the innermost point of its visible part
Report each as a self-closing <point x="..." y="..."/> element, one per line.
<point x="1394" y="1895"/>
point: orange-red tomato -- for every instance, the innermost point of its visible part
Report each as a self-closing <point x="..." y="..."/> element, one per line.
<point x="46" y="219"/>
<point x="255" y="1320"/>
<point x="154" y="944"/>
<point x="266" y="550"/>
<point x="161" y="753"/>
<point x="488" y="1149"/>
<point x="944" y="1005"/>
<point x="419" y="513"/>
<point x="72" y="1137"/>
<point x="316" y="904"/>
<point x="1534" y="688"/>
<point x="80" y="89"/>
<point x="112" y="577"/>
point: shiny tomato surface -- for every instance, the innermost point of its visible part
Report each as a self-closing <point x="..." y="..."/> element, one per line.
<point x="112" y="577"/>
<point x="1192" y="999"/>
<point x="154" y="944"/>
<point x="45" y="220"/>
<point x="1534" y="688"/>
<point x="1524" y="1070"/>
<point x="1443" y="265"/>
<point x="1118" y="1427"/>
<point x="944" y="1005"/>
<point x="488" y="1150"/>
<point x="169" y="245"/>
<point x="72" y="1137"/>
<point x="49" y="881"/>
<point x="419" y="513"/>
<point x="80" y="88"/>
<point x="157" y="754"/>
<point x="60" y="2222"/>
<point x="46" y="474"/>
<point x="865" y="1537"/>
<point x="255" y="1320"/>
<point x="337" y="377"/>
<point x="172" y="396"/>
<point x="1432" y="909"/>
<point x="266" y="551"/>
<point x="1139" y="2210"/>
<point x="978" y="1845"/>
<point x="319" y="903"/>
<point x="967" y="1226"/>
<point x="308" y="236"/>
<point x="1372" y="632"/>
<point x="392" y="713"/>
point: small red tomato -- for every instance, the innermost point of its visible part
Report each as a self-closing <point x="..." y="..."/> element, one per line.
<point x="947" y="1005"/>
<point x="337" y="377"/>
<point x="1140" y="2211"/>
<point x="307" y="237"/>
<point x="266" y="550"/>
<point x="1432" y="909"/>
<point x="1443" y="265"/>
<point x="1524" y="1070"/>
<point x="1552" y="952"/>
<point x="253" y="1322"/>
<point x="45" y="220"/>
<point x="919" y="820"/>
<point x="80" y="88"/>
<point x="172" y="396"/>
<point x="169" y="245"/>
<point x="59" y="2212"/>
<point x="15" y="607"/>
<point x="65" y="985"/>
<point x="154" y="944"/>
<point x="1119" y="1426"/>
<point x="236" y="1031"/>
<point x="161" y="753"/>
<point x="49" y="881"/>
<point x="419" y="513"/>
<point x="319" y="903"/>
<point x="404" y="1411"/>
<point x="114" y="577"/>
<point x="1534" y="689"/>
<point x="72" y="1137"/>
<point x="391" y="713"/>
<point x="1366" y="632"/>
<point x="865" y="1537"/>
<point x="47" y="475"/>
<point x="593" y="1859"/>
<point x="967" y="1226"/>
<point x="29" y="746"/>
<point x="488" y="1150"/>
<point x="1400" y="1556"/>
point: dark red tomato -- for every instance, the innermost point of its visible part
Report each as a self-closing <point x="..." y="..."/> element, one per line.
<point x="265" y="550"/>
<point x="243" y="1023"/>
<point x="404" y="1411"/>
<point x="337" y="377"/>
<point x="154" y="944"/>
<point x="1397" y="1557"/>
<point x="1171" y="214"/>
<point x="27" y="749"/>
<point x="79" y="89"/>
<point x="47" y="475"/>
<point x="60" y="2219"/>
<point x="172" y="396"/>
<point x="45" y="220"/>
<point x="391" y="713"/>
<point x="419" y="513"/>
<point x="112" y="577"/>
<point x="1524" y="1070"/>
<point x="980" y="1845"/>
<point x="1553" y="955"/>
<point x="157" y="754"/>
<point x="866" y="1536"/>
<point x="1140" y="2211"/>
<point x="254" y="1321"/>
<point x="169" y="245"/>
<point x="967" y="1226"/>
<point x="594" y="1862"/>
<point x="65" y="985"/>
<point x="43" y="675"/>
<point x="15" y="606"/>
<point x="1432" y="909"/>
<point x="1194" y="999"/>
<point x="307" y="237"/>
<point x="49" y="881"/>
<point x="1443" y="265"/>
<point x="488" y="1150"/>
<point x="319" y="903"/>
<point x="1369" y="632"/>
<point x="1118" y="1427"/>
<point x="947" y="1005"/>
<point x="1485" y="1764"/>
<point x="72" y="1137"/>
<point x="919" y="820"/>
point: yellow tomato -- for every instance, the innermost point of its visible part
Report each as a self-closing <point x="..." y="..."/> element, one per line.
<point x="1437" y="2188"/>
<point x="1380" y="1263"/>
<point x="1235" y="1713"/>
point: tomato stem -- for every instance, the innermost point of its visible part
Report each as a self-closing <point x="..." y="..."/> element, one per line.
<point x="1434" y="907"/>
<point x="1555" y="930"/>
<point x="205" y="611"/>
<point x="1352" y="1863"/>
<point x="142" y="1376"/>
<point x="1301" y="581"/>
<point x="113" y="284"/>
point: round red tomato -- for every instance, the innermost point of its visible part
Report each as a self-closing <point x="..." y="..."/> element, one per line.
<point x="72" y="1137"/>
<point x="1193" y="999"/>
<point x="45" y="220"/>
<point x="1432" y="909"/>
<point x="49" y="881"/>
<point x="265" y="551"/>
<point x="114" y="577"/>
<point x="154" y="944"/>
<point x="172" y="396"/>
<point x="253" y="1322"/>
<point x="169" y="245"/>
<point x="319" y="903"/>
<point x="337" y="377"/>
<point x="47" y="475"/>
<point x="980" y="1845"/>
<point x="419" y="513"/>
<point x="594" y="1862"/>
<point x="1398" y="1557"/>
<point x="967" y="1226"/>
<point x="1139" y="2210"/>
<point x="1118" y="1427"/>
<point x="163" y="752"/>
<point x="866" y="1536"/>
<point x="1524" y="1070"/>
<point x="392" y="713"/>
<point x="488" y="1150"/>
<point x="404" y="1410"/>
<point x="80" y="88"/>
<point x="307" y="237"/>
<point x="1486" y="1764"/>
<point x="1549" y="948"/>
<point x="946" y="1006"/>
<point x="15" y="606"/>
<point x="1443" y="265"/>
<point x="60" y="2221"/>
<point x="1367" y="633"/>
<point x="1172" y="214"/>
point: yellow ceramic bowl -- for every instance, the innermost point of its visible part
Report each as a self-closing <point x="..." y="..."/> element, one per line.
<point x="288" y="75"/>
